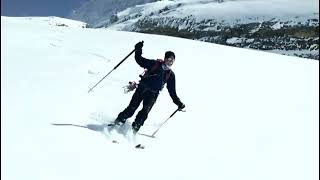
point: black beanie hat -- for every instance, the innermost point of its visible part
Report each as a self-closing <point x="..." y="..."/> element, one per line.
<point x="169" y="54"/>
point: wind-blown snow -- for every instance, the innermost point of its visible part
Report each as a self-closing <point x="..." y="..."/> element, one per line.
<point x="249" y="114"/>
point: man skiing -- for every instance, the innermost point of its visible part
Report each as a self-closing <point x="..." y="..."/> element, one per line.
<point x="158" y="73"/>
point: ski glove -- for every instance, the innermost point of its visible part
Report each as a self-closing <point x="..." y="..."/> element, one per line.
<point x="181" y="106"/>
<point x="139" y="45"/>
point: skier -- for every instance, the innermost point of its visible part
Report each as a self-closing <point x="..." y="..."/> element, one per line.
<point x="151" y="83"/>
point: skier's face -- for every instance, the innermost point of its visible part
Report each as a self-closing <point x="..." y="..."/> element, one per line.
<point x="169" y="61"/>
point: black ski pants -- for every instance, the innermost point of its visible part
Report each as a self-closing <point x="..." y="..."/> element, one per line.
<point x="141" y="94"/>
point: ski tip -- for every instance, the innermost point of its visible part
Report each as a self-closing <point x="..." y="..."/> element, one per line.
<point x="115" y="141"/>
<point x="139" y="146"/>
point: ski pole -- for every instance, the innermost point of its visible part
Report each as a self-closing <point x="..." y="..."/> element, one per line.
<point x="112" y="70"/>
<point x="153" y="134"/>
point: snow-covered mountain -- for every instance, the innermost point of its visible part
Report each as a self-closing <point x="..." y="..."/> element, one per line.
<point x="250" y="115"/>
<point x="95" y="11"/>
<point x="275" y="26"/>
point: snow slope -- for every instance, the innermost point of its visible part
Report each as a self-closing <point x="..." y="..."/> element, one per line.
<point x="250" y="115"/>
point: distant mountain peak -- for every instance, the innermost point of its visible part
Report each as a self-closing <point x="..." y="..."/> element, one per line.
<point x="95" y="11"/>
<point x="275" y="25"/>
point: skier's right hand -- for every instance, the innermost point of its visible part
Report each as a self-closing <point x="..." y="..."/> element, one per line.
<point x="139" y="45"/>
<point x="181" y="106"/>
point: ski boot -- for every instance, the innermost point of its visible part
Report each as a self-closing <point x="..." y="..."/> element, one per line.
<point x="135" y="127"/>
<point x="117" y="123"/>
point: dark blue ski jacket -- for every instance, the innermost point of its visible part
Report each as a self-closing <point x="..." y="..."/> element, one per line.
<point x="156" y="79"/>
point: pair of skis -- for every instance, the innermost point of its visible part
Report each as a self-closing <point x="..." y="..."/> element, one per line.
<point x="153" y="134"/>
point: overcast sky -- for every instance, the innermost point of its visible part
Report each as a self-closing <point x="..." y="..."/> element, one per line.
<point x="59" y="8"/>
